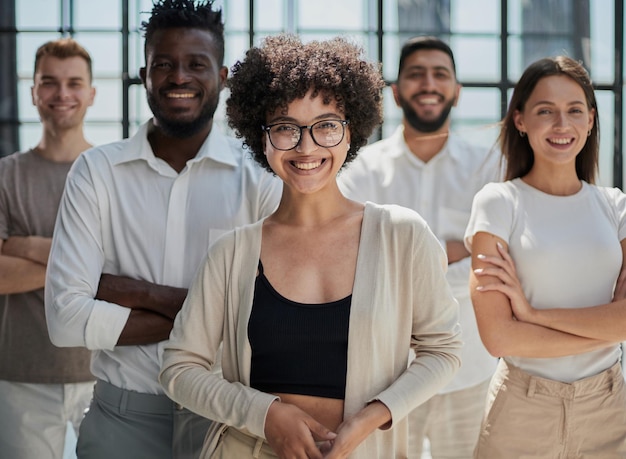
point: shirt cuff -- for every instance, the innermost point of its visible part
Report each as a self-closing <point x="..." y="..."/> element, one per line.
<point x="105" y="325"/>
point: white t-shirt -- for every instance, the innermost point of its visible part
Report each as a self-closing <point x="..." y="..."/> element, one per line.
<point x="567" y="254"/>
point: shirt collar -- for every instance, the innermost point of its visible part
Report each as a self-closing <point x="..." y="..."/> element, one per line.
<point x="216" y="147"/>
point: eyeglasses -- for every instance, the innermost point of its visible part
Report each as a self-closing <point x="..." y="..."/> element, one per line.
<point x="325" y="133"/>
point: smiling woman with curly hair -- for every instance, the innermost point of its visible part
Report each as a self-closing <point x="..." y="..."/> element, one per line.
<point x="318" y="306"/>
<point x="286" y="70"/>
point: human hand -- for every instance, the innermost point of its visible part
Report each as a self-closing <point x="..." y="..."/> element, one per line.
<point x="292" y="433"/>
<point x="504" y="269"/>
<point x="356" y="429"/>
<point x="349" y="435"/>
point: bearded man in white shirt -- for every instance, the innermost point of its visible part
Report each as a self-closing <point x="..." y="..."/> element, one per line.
<point x="136" y="219"/>
<point x="427" y="168"/>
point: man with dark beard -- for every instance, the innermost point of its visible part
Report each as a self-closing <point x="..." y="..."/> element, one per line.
<point x="425" y="167"/>
<point x="135" y="221"/>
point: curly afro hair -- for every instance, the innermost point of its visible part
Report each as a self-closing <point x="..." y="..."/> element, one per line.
<point x="199" y="14"/>
<point x="284" y="69"/>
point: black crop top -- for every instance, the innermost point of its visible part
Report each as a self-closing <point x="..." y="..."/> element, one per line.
<point x="297" y="348"/>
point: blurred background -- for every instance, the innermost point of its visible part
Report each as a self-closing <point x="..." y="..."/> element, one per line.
<point x="493" y="41"/>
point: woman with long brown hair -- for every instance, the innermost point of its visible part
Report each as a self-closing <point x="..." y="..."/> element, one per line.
<point x="547" y="251"/>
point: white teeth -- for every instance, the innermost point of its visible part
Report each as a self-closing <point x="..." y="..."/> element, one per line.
<point x="307" y="166"/>
<point x="561" y="141"/>
<point x="180" y="96"/>
<point x="429" y="100"/>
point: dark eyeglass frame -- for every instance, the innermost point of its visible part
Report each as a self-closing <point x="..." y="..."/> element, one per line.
<point x="343" y="123"/>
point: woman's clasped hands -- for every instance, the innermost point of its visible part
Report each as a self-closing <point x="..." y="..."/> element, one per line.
<point x="293" y="434"/>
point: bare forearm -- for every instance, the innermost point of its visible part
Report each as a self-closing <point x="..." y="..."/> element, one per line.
<point x="18" y="275"/>
<point x="166" y="300"/>
<point x="605" y="322"/>
<point x="137" y="294"/>
<point x="456" y="251"/>
<point x="33" y="248"/>
<point x="376" y="415"/>
<point x="521" y="339"/>
<point x="508" y="324"/>
<point x="153" y="307"/>
<point x="145" y="327"/>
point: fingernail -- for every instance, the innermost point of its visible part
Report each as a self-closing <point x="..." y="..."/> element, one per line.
<point x="478" y="270"/>
<point x="480" y="256"/>
<point x="480" y="287"/>
<point x="499" y="244"/>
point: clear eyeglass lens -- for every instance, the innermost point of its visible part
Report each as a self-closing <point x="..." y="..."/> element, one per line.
<point x="326" y="133"/>
<point x="285" y="136"/>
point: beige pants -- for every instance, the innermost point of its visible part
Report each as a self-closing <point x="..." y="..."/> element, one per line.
<point x="236" y="444"/>
<point x="533" y="417"/>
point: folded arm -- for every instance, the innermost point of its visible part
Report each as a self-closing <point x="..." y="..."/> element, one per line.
<point x="456" y="251"/>
<point x="499" y="305"/>
<point x="23" y="264"/>
<point x="153" y="307"/>
<point x="85" y="307"/>
<point x="33" y="248"/>
<point x="606" y="322"/>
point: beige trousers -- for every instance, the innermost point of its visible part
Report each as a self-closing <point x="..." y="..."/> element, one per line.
<point x="532" y="417"/>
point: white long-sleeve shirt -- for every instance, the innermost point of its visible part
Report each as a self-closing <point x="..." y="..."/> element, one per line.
<point x="126" y="212"/>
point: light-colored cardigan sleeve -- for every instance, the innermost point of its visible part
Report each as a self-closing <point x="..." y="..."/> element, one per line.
<point x="210" y="317"/>
<point x="435" y="334"/>
<point x="401" y="300"/>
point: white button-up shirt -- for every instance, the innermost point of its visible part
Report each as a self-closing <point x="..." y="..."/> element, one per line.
<point x="126" y="212"/>
<point x="440" y="190"/>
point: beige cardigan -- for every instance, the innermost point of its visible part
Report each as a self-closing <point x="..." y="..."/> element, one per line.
<point x="400" y="299"/>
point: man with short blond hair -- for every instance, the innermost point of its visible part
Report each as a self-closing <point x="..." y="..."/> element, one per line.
<point x="42" y="387"/>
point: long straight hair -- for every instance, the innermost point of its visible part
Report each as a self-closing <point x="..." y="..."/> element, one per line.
<point x="516" y="150"/>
